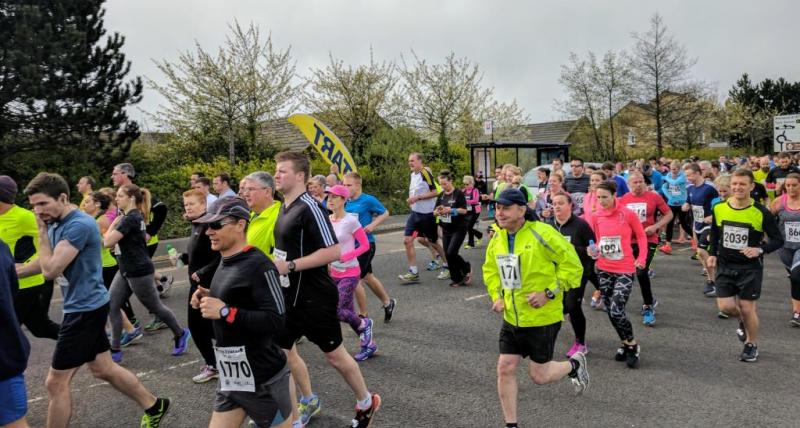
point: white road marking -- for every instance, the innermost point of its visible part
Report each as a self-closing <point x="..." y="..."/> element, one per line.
<point x="476" y="297"/>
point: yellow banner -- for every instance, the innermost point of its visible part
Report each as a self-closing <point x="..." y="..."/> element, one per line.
<point x="324" y="140"/>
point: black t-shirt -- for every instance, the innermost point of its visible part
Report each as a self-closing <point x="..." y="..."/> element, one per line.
<point x="248" y="281"/>
<point x="133" y="258"/>
<point x="301" y="229"/>
<point x="201" y="259"/>
<point x="577" y="184"/>
<point x="454" y="200"/>
<point x="759" y="193"/>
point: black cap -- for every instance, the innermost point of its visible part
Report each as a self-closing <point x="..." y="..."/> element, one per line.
<point x="8" y="189"/>
<point x="225" y="207"/>
<point x="511" y="197"/>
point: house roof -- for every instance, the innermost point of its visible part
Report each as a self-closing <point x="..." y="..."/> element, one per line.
<point x="282" y="133"/>
<point x="547" y="133"/>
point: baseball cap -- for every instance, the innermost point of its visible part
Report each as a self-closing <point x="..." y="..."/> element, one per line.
<point x="8" y="189"/>
<point x="338" y="190"/>
<point x="511" y="197"/>
<point x="223" y="208"/>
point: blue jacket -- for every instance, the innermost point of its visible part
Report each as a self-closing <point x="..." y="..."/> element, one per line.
<point x="14" y="346"/>
<point x="674" y="189"/>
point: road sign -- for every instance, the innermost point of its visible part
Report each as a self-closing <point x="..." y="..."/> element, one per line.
<point x="487" y="127"/>
<point x="786" y="133"/>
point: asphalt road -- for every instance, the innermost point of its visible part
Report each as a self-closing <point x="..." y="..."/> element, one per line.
<point x="436" y="362"/>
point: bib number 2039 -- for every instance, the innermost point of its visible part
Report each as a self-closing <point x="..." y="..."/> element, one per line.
<point x="234" y="369"/>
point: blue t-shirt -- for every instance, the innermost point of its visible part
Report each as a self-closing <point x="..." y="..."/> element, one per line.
<point x="366" y="207"/>
<point x="656" y="179"/>
<point x="82" y="281"/>
<point x="622" y="186"/>
<point x="700" y="198"/>
<point x="674" y="188"/>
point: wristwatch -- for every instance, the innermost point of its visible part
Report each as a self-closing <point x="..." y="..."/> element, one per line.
<point x="224" y="312"/>
<point x="291" y="266"/>
<point x="550" y="295"/>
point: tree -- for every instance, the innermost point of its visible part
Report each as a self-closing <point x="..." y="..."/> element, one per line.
<point x="63" y="92"/>
<point x="661" y="66"/>
<point x="751" y="107"/>
<point x="612" y="79"/>
<point x="437" y="96"/>
<point x="354" y="99"/>
<point x="231" y="93"/>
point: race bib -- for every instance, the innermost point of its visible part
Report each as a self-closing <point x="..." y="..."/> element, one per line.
<point x="792" y="229"/>
<point x="469" y="207"/>
<point x="445" y="218"/>
<point x="508" y="265"/>
<point x="611" y="247"/>
<point x="698" y="213"/>
<point x="281" y="255"/>
<point x="674" y="190"/>
<point x="235" y="373"/>
<point x="640" y="208"/>
<point x="735" y="237"/>
<point x="577" y="199"/>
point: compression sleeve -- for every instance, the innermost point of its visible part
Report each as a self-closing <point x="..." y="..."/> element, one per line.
<point x="361" y="248"/>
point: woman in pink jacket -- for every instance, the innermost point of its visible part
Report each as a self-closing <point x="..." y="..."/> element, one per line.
<point x="591" y="206"/>
<point x="616" y="227"/>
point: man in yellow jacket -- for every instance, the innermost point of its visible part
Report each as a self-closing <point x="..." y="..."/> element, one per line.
<point x="528" y="267"/>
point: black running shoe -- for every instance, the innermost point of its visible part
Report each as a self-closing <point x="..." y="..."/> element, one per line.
<point x="740" y="332"/>
<point x="620" y="355"/>
<point x="364" y="418"/>
<point x="632" y="355"/>
<point x="750" y="353"/>
<point x="795" y="321"/>
<point x="710" y="290"/>
<point x="388" y="310"/>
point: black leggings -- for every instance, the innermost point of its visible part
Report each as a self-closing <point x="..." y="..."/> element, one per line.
<point x="572" y="307"/>
<point x="643" y="275"/>
<point x="471" y="231"/>
<point x="32" y="306"/>
<point x="108" y="276"/>
<point x="683" y="220"/>
<point x="452" y="241"/>
<point x="202" y="331"/>
<point x="791" y="259"/>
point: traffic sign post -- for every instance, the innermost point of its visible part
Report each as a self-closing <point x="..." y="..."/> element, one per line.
<point x="786" y="133"/>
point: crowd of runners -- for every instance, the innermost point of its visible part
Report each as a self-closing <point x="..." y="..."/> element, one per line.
<point x="289" y="257"/>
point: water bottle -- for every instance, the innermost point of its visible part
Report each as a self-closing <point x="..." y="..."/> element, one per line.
<point x="174" y="257"/>
<point x="593" y="249"/>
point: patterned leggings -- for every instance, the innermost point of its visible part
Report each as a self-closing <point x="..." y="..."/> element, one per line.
<point x="616" y="289"/>
<point x="345" y="310"/>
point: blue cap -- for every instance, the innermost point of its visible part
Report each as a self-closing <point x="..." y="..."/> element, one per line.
<point x="511" y="197"/>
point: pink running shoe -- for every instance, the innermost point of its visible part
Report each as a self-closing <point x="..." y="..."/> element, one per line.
<point x="577" y="347"/>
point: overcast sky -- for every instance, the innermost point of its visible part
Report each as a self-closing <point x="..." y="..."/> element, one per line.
<point x="520" y="45"/>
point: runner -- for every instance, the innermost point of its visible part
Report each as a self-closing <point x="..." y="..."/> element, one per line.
<point x="577" y="183"/>
<point x="305" y="244"/>
<point x="14" y="349"/>
<point x="202" y="262"/>
<point x="127" y="234"/>
<point x="451" y="207"/>
<point x="222" y="185"/>
<point x="203" y="184"/>
<point x="246" y="307"/>
<point x="528" y="267"/>
<point x="69" y="250"/>
<point x="591" y="206"/>
<point x="787" y="210"/>
<point x="473" y="196"/>
<point x="610" y="171"/>
<point x="674" y="187"/>
<point x="738" y="229"/>
<point x="699" y="195"/>
<point x="544" y="205"/>
<point x="778" y="175"/>
<point x="647" y="205"/>
<point x="421" y="222"/>
<point x="316" y="188"/>
<point x="346" y="272"/>
<point x="258" y="189"/>
<point x="19" y="232"/>
<point x="580" y="235"/>
<point x="85" y="187"/>
<point x="617" y="228"/>
<point x="371" y="213"/>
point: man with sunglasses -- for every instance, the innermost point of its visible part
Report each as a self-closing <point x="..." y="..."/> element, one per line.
<point x="245" y="304"/>
<point x="258" y="189"/>
<point x="577" y="183"/>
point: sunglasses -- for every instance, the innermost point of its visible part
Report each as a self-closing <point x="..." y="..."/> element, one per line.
<point x="217" y="225"/>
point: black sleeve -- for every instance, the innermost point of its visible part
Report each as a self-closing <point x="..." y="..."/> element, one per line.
<point x="461" y="200"/>
<point x="206" y="273"/>
<point x="158" y="214"/>
<point x="128" y="225"/>
<point x="761" y="193"/>
<point x="771" y="176"/>
<point x="713" y="237"/>
<point x="318" y="224"/>
<point x="586" y="234"/>
<point x="268" y="317"/>
<point x="770" y="227"/>
<point x="24" y="249"/>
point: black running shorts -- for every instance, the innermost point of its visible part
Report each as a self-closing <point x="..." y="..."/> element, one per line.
<point x="268" y="406"/>
<point x="742" y="283"/>
<point x="423" y="224"/>
<point x="313" y="316"/>
<point x="81" y="338"/>
<point x="365" y="260"/>
<point x="538" y="343"/>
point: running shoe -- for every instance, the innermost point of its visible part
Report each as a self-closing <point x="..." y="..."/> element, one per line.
<point x="364" y="418"/>
<point x="154" y="421"/>
<point x="632" y="355"/>
<point x="166" y="283"/>
<point x="155" y="325"/>
<point x="750" y="353"/>
<point x="704" y="272"/>
<point x="621" y="354"/>
<point x="181" y="343"/>
<point x="694" y="256"/>
<point x="477" y="243"/>
<point x="116" y="356"/>
<point x="127" y="339"/>
<point x="388" y="310"/>
<point x="467" y="247"/>
<point x="651" y="273"/>
<point x="649" y="317"/>
<point x="653" y="306"/>
<point x="207" y="373"/>
<point x="722" y="315"/>
<point x="710" y="290"/>
<point x="433" y="265"/>
<point x="308" y="408"/>
<point x="366" y="352"/>
<point x="365" y="336"/>
<point x="444" y="274"/>
<point x="577" y="347"/>
<point x="741" y="333"/>
<point x="468" y="277"/>
<point x="596" y="299"/>
<point x="795" y="321"/>
<point x="409" y="277"/>
<point x="581" y="379"/>
<point x="666" y="249"/>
